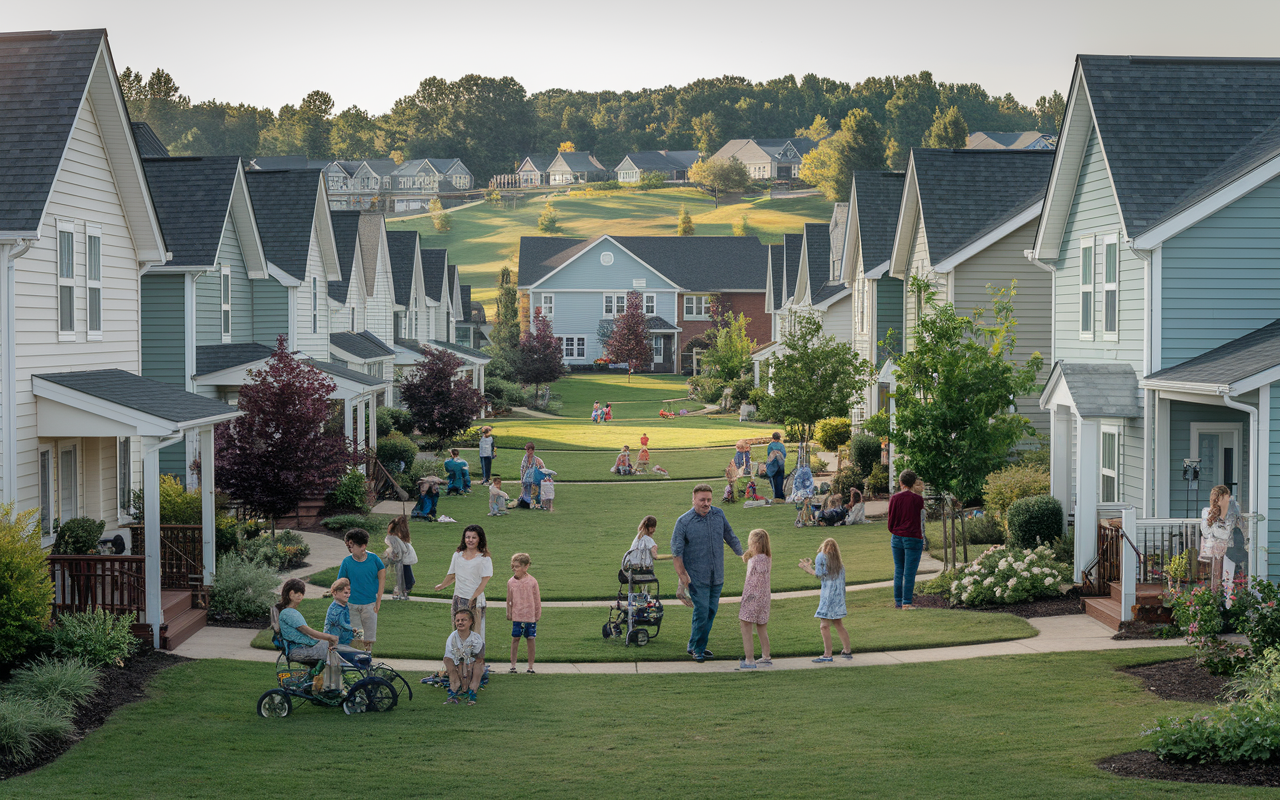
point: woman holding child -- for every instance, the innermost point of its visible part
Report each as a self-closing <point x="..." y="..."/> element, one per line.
<point x="469" y="572"/>
<point x="530" y="476"/>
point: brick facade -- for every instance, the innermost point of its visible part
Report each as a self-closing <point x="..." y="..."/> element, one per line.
<point x="749" y="303"/>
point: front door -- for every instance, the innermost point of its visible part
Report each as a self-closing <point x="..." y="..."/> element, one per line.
<point x="1218" y="448"/>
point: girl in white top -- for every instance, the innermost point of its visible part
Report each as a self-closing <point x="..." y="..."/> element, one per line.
<point x="486" y="453"/>
<point x="463" y="659"/>
<point x="643" y="548"/>
<point x="470" y="571"/>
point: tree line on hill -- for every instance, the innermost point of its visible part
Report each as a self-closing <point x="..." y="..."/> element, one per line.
<point x="490" y="123"/>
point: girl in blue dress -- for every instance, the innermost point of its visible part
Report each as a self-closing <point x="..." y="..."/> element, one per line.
<point x="828" y="568"/>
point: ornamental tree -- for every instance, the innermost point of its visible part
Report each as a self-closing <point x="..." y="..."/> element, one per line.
<point x="441" y="401"/>
<point x="720" y="175"/>
<point x="730" y="353"/>
<point x="539" y="355"/>
<point x="278" y="451"/>
<point x="630" y="341"/>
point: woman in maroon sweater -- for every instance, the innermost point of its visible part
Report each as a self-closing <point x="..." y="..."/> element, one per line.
<point x="905" y="524"/>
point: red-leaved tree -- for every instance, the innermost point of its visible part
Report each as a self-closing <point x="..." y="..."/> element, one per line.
<point x="278" y="452"/>
<point x="630" y="341"/>
<point x="539" y="354"/>
<point x="442" y="402"/>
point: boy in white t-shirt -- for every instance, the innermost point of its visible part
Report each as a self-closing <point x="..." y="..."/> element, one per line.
<point x="547" y="493"/>
<point x="463" y="659"/>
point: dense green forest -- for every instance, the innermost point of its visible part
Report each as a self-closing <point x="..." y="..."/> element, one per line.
<point x="490" y="123"/>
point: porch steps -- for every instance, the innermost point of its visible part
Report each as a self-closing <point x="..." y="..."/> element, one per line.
<point x="1149" y="604"/>
<point x="181" y="620"/>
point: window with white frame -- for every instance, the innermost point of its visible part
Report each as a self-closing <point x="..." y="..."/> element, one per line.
<point x="68" y="483"/>
<point x="574" y="347"/>
<point x="657" y="348"/>
<point x="66" y="280"/>
<point x="1111" y="286"/>
<point x="353" y="320"/>
<point x="1110" y="464"/>
<point x="697" y="306"/>
<point x="124" y="474"/>
<point x="548" y="305"/>
<point x="315" y="305"/>
<point x="46" y="492"/>
<point x="651" y="304"/>
<point x="226" y="304"/>
<point x="614" y="304"/>
<point x="93" y="276"/>
<point x="1086" y="287"/>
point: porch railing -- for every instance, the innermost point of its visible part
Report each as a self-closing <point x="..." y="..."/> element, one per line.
<point x="181" y="556"/>
<point x="115" y="584"/>
<point x="1157" y="541"/>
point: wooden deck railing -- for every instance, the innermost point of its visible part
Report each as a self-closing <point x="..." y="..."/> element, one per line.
<point x="181" y="555"/>
<point x="1157" y="541"/>
<point x="113" y="583"/>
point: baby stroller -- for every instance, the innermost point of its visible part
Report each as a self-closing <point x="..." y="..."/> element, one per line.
<point x="637" y="608"/>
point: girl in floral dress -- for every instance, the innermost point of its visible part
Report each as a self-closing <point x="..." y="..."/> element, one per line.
<point x="828" y="568"/>
<point x="754" y="609"/>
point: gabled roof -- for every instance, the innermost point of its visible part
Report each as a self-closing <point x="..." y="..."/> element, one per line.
<point x="416" y="165"/>
<point x="577" y="162"/>
<point x="661" y="160"/>
<point x="694" y="263"/>
<point x="443" y="165"/>
<point x="839" y="224"/>
<point x="346" y="226"/>
<point x="434" y="266"/>
<point x="777" y="273"/>
<point x="291" y="163"/>
<point x="212" y="358"/>
<point x="539" y="161"/>
<point x="817" y="237"/>
<point x="769" y="147"/>
<point x="1229" y="364"/>
<point x="162" y="400"/>
<point x="402" y="246"/>
<point x="149" y="145"/>
<point x="329" y="368"/>
<point x="469" y="353"/>
<point x="962" y="193"/>
<point x="1017" y="140"/>
<point x="285" y="204"/>
<point x="372" y="227"/>
<point x="877" y="197"/>
<point x="465" y="315"/>
<point x="363" y="345"/>
<point x="192" y="197"/>
<point x="793" y="243"/>
<point x="1095" y="389"/>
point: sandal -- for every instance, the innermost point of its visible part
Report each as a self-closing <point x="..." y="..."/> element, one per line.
<point x="768" y="662"/>
<point x="846" y="654"/>
<point x="511" y="671"/>
<point x="529" y="671"/>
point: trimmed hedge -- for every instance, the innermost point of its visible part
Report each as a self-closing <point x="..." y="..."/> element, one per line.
<point x="831" y="433"/>
<point x="865" y="450"/>
<point x="1034" y="521"/>
<point x="1010" y="484"/>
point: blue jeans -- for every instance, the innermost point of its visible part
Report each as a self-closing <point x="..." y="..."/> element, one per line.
<point x="906" y="560"/>
<point x="778" y="479"/>
<point x="706" y="601"/>
<point x="486" y="466"/>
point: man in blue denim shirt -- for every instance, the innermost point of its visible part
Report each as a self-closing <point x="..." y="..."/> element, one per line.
<point x="697" y="550"/>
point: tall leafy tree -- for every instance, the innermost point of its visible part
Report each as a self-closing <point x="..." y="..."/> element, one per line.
<point x="720" y="175"/>
<point x="729" y="355"/>
<point x="279" y="450"/>
<point x="818" y="130"/>
<point x="630" y="340"/>
<point x="1049" y="112"/>
<point x="442" y="401"/>
<point x="948" y="130"/>
<point x="858" y="145"/>
<point x="540" y="354"/>
<point x="506" y="318"/>
<point x="813" y="376"/>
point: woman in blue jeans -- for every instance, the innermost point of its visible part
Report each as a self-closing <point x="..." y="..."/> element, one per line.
<point x="906" y="524"/>
<point x="776" y="465"/>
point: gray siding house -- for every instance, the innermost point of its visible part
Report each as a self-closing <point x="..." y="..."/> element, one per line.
<point x="768" y="158"/>
<point x="567" y="168"/>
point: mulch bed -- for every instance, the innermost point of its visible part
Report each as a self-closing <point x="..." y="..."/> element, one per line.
<point x="1183" y="679"/>
<point x="118" y="687"/>
<point x="1068" y="603"/>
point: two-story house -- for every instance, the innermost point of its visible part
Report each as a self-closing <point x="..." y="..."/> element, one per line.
<point x="674" y="164"/>
<point x="1160" y="227"/>
<point x="415" y="183"/>
<point x="768" y="159"/>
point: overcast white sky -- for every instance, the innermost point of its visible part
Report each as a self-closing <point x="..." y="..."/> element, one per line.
<point x="272" y="52"/>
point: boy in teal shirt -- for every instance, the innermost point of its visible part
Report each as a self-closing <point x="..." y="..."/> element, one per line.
<point x="368" y="577"/>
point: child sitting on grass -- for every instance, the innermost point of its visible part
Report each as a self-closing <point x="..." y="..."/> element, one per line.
<point x="642" y="463"/>
<point x="463" y="658"/>
<point x="524" y="608"/>
<point x="497" y="499"/>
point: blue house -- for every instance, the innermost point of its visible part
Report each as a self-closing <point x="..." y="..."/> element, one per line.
<point x="1161" y="226"/>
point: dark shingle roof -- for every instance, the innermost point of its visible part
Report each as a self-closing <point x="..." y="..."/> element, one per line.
<point x="777" y="261"/>
<point x="402" y="246"/>
<point x="433" y="268"/>
<point x="662" y="160"/>
<point x="581" y="162"/>
<point x="163" y="400"/>
<point x="695" y="263"/>
<point x="818" y="239"/>
<point x="1168" y="123"/>
<point x="879" y="198"/>
<point x="362" y="345"/>
<point x="1100" y="389"/>
<point x="149" y="145"/>
<point x="346" y="225"/>
<point x="539" y="161"/>
<point x="466" y="302"/>
<point x="212" y="358"/>
<point x="342" y="372"/>
<point x="966" y="192"/>
<point x="1230" y="362"/>
<point x="659" y="324"/>
<point x="42" y="80"/>
<point x="792" y="242"/>
<point x="191" y="196"/>
<point x="284" y="203"/>
<point x="470" y="352"/>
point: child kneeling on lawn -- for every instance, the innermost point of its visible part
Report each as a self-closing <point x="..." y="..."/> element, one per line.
<point x="524" y="608"/>
<point x="463" y="658"/>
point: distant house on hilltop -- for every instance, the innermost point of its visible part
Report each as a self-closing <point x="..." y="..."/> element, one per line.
<point x="674" y="164"/>
<point x="569" y="168"/>
<point x="1018" y="140"/>
<point x="533" y="169"/>
<point x="768" y="158"/>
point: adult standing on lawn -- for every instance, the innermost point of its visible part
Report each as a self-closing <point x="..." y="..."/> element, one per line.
<point x="530" y="476"/>
<point x="697" y="551"/>
<point x="486" y="453"/>
<point x="907" y="540"/>
<point x="776" y="465"/>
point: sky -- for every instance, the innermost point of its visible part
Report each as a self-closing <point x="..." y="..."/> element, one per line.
<point x="273" y="52"/>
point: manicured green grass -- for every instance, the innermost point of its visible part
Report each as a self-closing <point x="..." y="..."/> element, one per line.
<point x="581" y="434"/>
<point x="1015" y="726"/>
<point x="419" y="630"/>
<point x="576" y="549"/>
<point x="579" y="390"/>
<point x="484" y="238"/>
<point x="593" y="465"/>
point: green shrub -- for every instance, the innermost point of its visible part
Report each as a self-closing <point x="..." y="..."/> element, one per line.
<point x="846" y="478"/>
<point x="878" y="480"/>
<point x="707" y="389"/>
<point x="793" y="431"/>
<point x="1010" y="484"/>
<point x="984" y="529"/>
<point x="940" y="584"/>
<point x="422" y="467"/>
<point x="349" y="494"/>
<point x="395" y="450"/>
<point x="394" y="419"/>
<point x="63" y="683"/>
<point x="1065" y="548"/>
<point x="1037" y="456"/>
<point x="1004" y="575"/>
<point x="1034" y="520"/>
<point x="865" y="452"/>
<point x="26" y="591"/>
<point x="648" y="180"/>
<point x="243" y="590"/>
<point x="177" y="505"/>
<point x="78" y="537"/>
<point x="282" y="552"/>
<point x="470" y="438"/>
<point x="27" y="726"/>
<point x="740" y="390"/>
<point x="96" y="637"/>
<point x="226" y="535"/>
<point x="501" y="389"/>
<point x="758" y="397"/>
<point x="831" y="433"/>
<point x="345" y="522"/>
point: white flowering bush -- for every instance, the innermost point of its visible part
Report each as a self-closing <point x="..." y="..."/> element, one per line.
<point x="1005" y="575"/>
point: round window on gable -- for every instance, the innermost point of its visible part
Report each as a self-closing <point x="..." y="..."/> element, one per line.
<point x="606" y="259"/>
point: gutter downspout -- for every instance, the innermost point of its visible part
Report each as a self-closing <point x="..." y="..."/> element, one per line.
<point x="9" y="253"/>
<point x="1253" y="453"/>
<point x="1148" y="357"/>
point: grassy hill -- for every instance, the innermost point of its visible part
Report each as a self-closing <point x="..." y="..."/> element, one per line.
<point x="485" y="237"/>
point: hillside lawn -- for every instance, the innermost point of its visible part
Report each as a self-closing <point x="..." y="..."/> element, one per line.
<point x="484" y="238"/>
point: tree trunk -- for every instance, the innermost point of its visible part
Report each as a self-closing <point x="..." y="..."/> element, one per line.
<point x="946" y="543"/>
<point x="964" y="537"/>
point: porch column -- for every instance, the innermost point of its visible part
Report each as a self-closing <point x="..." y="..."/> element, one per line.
<point x="151" y="533"/>
<point x="1060" y="419"/>
<point x="348" y="428"/>
<point x="207" y="503"/>
<point x="1087" y="443"/>
<point x="373" y="422"/>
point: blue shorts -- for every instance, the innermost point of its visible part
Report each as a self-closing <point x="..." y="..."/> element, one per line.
<point x="528" y="630"/>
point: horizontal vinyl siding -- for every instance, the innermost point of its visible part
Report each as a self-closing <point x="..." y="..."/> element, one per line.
<point x="1181" y="415"/>
<point x="208" y="309"/>
<point x="586" y="272"/>
<point x="270" y="310"/>
<point x="164" y="328"/>
<point x="889" y="304"/>
<point x="380" y="312"/>
<point x="1273" y="496"/>
<point x="242" y="310"/>
<point x="837" y="321"/>
<point x="173" y="461"/>
<point x="314" y="345"/>
<point x="579" y="314"/>
<point x="918" y="266"/>
<point x="1226" y="267"/>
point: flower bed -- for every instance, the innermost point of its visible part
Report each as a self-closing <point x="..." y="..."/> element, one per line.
<point x="1004" y="576"/>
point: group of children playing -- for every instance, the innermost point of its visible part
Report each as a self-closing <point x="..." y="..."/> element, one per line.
<point x="623" y="465"/>
<point x="599" y="414"/>
<point x="543" y="496"/>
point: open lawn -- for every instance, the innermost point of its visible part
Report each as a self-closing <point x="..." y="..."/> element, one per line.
<point x="593" y="465"/>
<point x="1016" y="726"/>
<point x="581" y="434"/>
<point x="576" y="549"/>
<point x="484" y="238"/>
<point x="419" y="630"/>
